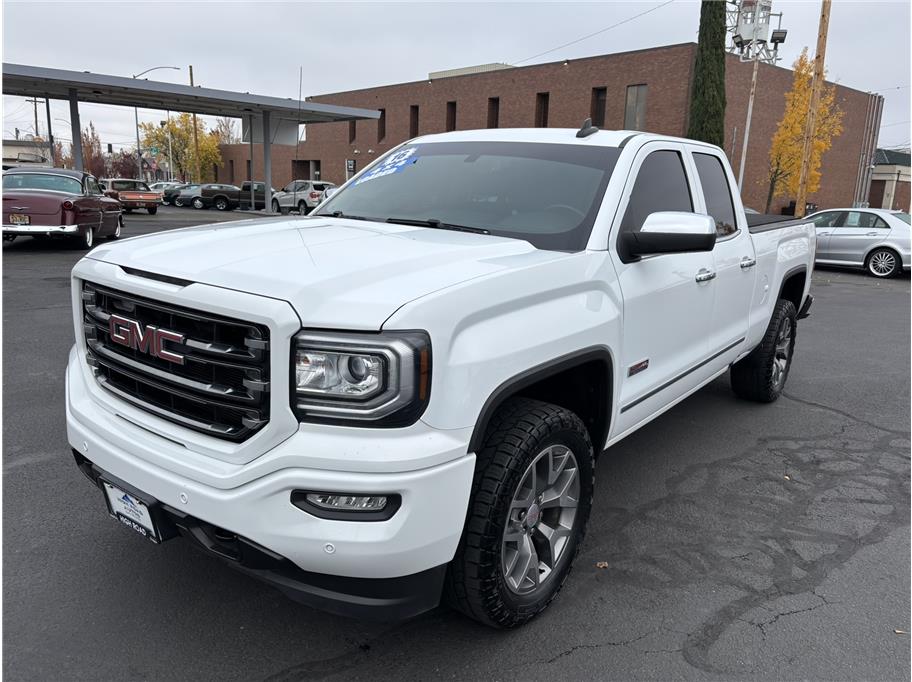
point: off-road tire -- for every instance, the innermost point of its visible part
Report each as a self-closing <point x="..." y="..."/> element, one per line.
<point x="753" y="378"/>
<point x="518" y="432"/>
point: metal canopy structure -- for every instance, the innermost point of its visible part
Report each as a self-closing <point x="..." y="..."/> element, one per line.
<point x="83" y="86"/>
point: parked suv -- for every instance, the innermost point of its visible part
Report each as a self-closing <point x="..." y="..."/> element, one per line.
<point x="303" y="195"/>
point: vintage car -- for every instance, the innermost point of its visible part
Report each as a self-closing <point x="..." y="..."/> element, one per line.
<point x="132" y="194"/>
<point x="54" y="202"/>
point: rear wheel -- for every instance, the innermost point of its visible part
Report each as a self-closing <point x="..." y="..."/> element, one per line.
<point x="762" y="374"/>
<point x="86" y="239"/>
<point x="198" y="203"/>
<point x="153" y="210"/>
<point x="883" y="263"/>
<point x="527" y="516"/>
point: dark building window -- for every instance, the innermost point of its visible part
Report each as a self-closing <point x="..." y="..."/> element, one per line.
<point x="231" y="170"/>
<point x="381" y="126"/>
<point x="541" y="109"/>
<point x="597" y="107"/>
<point x="635" y="108"/>
<point x="451" y="116"/>
<point x="413" y="120"/>
<point x="351" y="131"/>
<point x="493" y="112"/>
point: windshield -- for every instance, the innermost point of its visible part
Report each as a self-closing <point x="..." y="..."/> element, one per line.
<point x="128" y="185"/>
<point x="903" y="216"/>
<point x="42" y="181"/>
<point x="547" y="194"/>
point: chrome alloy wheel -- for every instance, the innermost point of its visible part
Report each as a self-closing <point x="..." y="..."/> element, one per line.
<point x="882" y="263"/>
<point x="540" y="520"/>
<point x="783" y="352"/>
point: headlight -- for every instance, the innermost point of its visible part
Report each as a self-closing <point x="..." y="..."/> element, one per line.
<point x="380" y="379"/>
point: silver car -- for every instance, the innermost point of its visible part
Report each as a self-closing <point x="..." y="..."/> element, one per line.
<point x="872" y="238"/>
<point x="302" y="195"/>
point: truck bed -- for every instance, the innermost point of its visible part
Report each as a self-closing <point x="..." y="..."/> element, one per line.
<point x="760" y="222"/>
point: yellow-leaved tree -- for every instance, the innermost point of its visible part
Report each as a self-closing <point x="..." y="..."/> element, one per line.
<point x="180" y="128"/>
<point x="788" y="142"/>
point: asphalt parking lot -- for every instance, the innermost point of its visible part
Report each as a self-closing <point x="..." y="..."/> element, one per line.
<point x="741" y="541"/>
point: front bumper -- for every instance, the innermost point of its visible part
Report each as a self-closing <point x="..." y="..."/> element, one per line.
<point x="45" y="230"/>
<point x="364" y="598"/>
<point x="333" y="564"/>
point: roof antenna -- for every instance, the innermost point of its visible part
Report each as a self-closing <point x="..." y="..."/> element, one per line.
<point x="587" y="129"/>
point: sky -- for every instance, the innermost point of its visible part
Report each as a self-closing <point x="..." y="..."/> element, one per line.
<point x="258" y="47"/>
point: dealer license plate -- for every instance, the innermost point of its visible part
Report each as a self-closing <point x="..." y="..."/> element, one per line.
<point x="19" y="219"/>
<point x="131" y="511"/>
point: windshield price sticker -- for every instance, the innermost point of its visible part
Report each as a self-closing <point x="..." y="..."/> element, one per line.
<point x="396" y="163"/>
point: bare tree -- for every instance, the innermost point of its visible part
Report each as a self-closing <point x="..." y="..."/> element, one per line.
<point x="226" y="131"/>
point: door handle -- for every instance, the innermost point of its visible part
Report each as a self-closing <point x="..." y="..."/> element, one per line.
<point x="704" y="275"/>
<point x="748" y="262"/>
<point x="871" y="234"/>
<point x="823" y="234"/>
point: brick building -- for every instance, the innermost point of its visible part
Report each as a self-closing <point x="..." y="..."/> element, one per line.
<point x="641" y="90"/>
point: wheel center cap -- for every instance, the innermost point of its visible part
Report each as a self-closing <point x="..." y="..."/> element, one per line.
<point x="533" y="515"/>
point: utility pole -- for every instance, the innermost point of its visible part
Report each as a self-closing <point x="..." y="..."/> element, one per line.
<point x="196" y="144"/>
<point x="749" y="23"/>
<point x="47" y="110"/>
<point x="35" y="101"/>
<point x="810" y="126"/>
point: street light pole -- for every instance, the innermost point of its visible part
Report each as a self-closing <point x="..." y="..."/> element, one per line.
<point x="136" y="119"/>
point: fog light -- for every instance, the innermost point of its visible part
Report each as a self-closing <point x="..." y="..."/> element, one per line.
<point x="347" y="506"/>
<point x="347" y="502"/>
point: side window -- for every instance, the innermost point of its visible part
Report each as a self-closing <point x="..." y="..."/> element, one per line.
<point x="660" y="185"/>
<point x="717" y="193"/>
<point x="880" y="224"/>
<point x="827" y="219"/>
<point x="860" y="219"/>
<point x="92" y="186"/>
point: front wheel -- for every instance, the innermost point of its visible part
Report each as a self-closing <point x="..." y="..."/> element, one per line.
<point x="302" y="207"/>
<point x="527" y="516"/>
<point x="198" y="203"/>
<point x="275" y="206"/>
<point x="221" y="204"/>
<point x="86" y="239"/>
<point x="762" y="374"/>
<point x="178" y="202"/>
<point x="883" y="263"/>
<point x="118" y="229"/>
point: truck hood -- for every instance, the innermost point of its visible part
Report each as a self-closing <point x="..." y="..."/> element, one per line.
<point x="336" y="273"/>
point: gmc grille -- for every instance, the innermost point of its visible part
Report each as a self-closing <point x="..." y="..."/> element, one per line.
<point x="222" y="387"/>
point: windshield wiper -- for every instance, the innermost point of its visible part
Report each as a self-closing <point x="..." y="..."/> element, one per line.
<point x="434" y="222"/>
<point x="340" y="214"/>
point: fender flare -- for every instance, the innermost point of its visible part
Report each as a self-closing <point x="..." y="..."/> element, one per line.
<point x="531" y="376"/>
<point x="787" y="276"/>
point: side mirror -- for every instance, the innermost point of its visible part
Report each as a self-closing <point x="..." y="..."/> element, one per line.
<point x="668" y="232"/>
<point x="328" y="192"/>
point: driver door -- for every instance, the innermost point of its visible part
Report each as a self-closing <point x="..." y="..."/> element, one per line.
<point x="668" y="298"/>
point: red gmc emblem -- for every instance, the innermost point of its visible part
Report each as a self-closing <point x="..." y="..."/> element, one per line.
<point x="149" y="339"/>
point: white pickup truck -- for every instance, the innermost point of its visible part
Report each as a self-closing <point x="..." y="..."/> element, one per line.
<point x="400" y="398"/>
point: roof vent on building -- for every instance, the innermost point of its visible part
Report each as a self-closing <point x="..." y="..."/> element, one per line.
<point x="587" y="129"/>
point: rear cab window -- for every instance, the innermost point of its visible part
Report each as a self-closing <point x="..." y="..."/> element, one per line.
<point x="716" y="193"/>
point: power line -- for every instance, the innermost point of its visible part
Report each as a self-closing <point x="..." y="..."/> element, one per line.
<point x="592" y="35"/>
<point x="895" y="87"/>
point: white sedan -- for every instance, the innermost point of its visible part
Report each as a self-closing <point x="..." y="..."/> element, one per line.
<point x="872" y="238"/>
